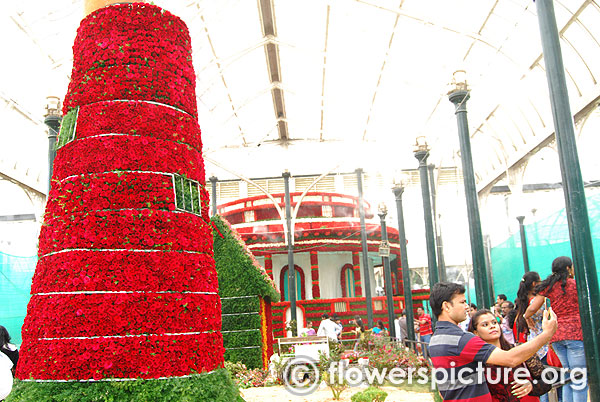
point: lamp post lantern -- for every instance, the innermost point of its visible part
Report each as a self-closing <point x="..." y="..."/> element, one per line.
<point x="408" y="303"/>
<point x="52" y="119"/>
<point x="387" y="272"/>
<point x="459" y="96"/>
<point x="422" y="153"/>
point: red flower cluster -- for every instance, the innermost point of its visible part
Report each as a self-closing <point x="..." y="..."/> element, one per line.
<point x="138" y="118"/>
<point x="117" y="262"/>
<point x="126" y="229"/>
<point x="96" y="270"/>
<point x="125" y="152"/>
<point x="125" y="357"/>
<point x="111" y="314"/>
<point x="110" y="190"/>
<point x="132" y="51"/>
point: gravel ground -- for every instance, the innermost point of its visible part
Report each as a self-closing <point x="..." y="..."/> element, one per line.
<point x="323" y="394"/>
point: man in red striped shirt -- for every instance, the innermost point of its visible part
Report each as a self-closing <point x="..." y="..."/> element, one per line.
<point x="458" y="357"/>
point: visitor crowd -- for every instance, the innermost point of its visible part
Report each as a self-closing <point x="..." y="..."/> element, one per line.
<point x="541" y="327"/>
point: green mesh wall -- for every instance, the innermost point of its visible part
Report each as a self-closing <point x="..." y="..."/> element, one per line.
<point x="546" y="240"/>
<point x="15" y="285"/>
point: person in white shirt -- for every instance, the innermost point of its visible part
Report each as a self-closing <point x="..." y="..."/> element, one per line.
<point x="328" y="328"/>
<point x="6" y="378"/>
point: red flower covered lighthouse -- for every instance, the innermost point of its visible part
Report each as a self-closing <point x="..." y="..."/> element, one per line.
<point x="125" y="285"/>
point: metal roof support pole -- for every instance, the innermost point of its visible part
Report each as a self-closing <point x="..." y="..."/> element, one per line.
<point x="439" y="247"/>
<point x="290" y="247"/>
<point x="421" y="154"/>
<point x="521" y="218"/>
<point x="387" y="271"/>
<point x="213" y="203"/>
<point x="365" y="249"/>
<point x="408" y="303"/>
<point x="575" y="203"/>
<point x="459" y="97"/>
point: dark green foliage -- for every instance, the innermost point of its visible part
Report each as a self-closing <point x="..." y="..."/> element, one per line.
<point x="370" y="394"/>
<point x="252" y="358"/>
<point x="67" y="128"/>
<point x="244" y="340"/>
<point x="179" y="191"/>
<point x="241" y="339"/>
<point x="213" y="387"/>
<point x="241" y="305"/>
<point x="239" y="277"/>
<point x="187" y="196"/>
<point x="237" y="274"/>
<point x="237" y="322"/>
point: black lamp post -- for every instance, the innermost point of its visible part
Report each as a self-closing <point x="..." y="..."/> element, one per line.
<point x="437" y="231"/>
<point x="213" y="203"/>
<point x="290" y="247"/>
<point x="408" y="303"/>
<point x="523" y="243"/>
<point x="52" y="118"/>
<point x="575" y="203"/>
<point x="459" y="96"/>
<point x="384" y="251"/>
<point x="365" y="249"/>
<point x="422" y="153"/>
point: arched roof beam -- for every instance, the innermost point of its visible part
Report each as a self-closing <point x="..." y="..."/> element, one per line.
<point x="214" y="53"/>
<point x="535" y="146"/>
<point x="267" y="22"/>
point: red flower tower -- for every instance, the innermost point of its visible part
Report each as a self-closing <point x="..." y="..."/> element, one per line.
<point x="125" y="286"/>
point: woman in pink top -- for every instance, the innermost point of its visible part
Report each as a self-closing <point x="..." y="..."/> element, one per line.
<point x="567" y="342"/>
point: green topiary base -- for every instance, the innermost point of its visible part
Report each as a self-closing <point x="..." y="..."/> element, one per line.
<point x="212" y="387"/>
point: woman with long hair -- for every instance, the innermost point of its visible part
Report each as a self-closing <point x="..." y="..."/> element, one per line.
<point x="380" y="329"/>
<point x="8" y="348"/>
<point x="501" y="381"/>
<point x="567" y="342"/>
<point x="359" y="330"/>
<point x="526" y="329"/>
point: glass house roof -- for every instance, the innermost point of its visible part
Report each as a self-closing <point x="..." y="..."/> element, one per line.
<point x="321" y="85"/>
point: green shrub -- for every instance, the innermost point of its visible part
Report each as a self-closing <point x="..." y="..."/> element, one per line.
<point x="239" y="305"/>
<point x="250" y="357"/>
<point x="216" y="386"/>
<point x="239" y="322"/>
<point x="242" y="339"/>
<point x="238" y="276"/>
<point x="370" y="394"/>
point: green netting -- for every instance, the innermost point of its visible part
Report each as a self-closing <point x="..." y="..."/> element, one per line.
<point x="546" y="240"/>
<point x="15" y="285"/>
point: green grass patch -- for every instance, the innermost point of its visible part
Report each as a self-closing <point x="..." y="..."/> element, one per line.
<point x="216" y="386"/>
